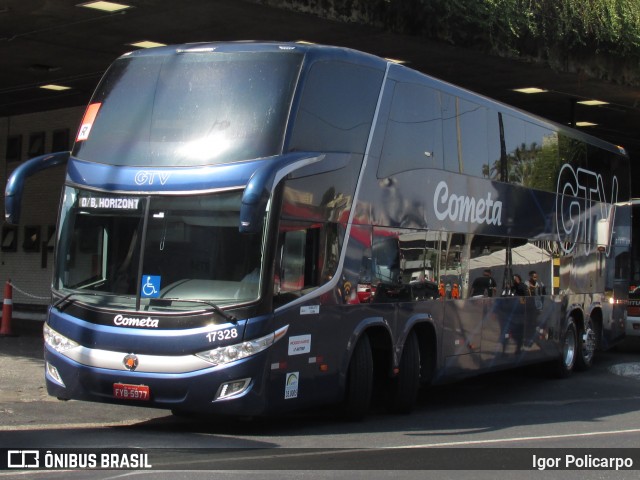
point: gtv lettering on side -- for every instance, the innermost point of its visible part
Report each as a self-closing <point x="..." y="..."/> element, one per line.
<point x="577" y="218"/>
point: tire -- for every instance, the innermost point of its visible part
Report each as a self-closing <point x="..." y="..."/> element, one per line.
<point x="587" y="345"/>
<point x="359" y="388"/>
<point x="403" y="393"/>
<point x="564" y="366"/>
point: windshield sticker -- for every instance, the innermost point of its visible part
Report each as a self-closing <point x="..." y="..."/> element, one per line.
<point x="299" y="345"/>
<point x="291" y="385"/>
<point x="87" y="121"/>
<point x="150" y="286"/>
<point x="109" y="203"/>
<point x="310" y="310"/>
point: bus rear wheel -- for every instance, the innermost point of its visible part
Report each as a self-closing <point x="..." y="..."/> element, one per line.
<point x="404" y="387"/>
<point x="359" y="381"/>
<point x="587" y="344"/>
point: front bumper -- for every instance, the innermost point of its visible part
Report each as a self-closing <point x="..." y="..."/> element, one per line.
<point x="193" y="391"/>
<point x="632" y="326"/>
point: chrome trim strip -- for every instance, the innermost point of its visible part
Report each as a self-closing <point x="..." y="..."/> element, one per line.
<point x="96" y="358"/>
<point x="80" y="186"/>
<point x="93" y="357"/>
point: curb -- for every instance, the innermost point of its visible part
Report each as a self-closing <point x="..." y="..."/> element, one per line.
<point x="631" y="370"/>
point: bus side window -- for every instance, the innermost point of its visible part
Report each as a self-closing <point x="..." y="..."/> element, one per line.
<point x="337" y="107"/>
<point x="386" y="260"/>
<point x="308" y="257"/>
<point x="466" y="135"/>
<point x="386" y="266"/>
<point x="413" y="139"/>
<point x="292" y="261"/>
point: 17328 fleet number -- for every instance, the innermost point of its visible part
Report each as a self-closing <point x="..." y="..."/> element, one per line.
<point x="221" y="335"/>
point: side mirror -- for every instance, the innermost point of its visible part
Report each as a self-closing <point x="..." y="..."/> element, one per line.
<point x="261" y="184"/>
<point x="15" y="184"/>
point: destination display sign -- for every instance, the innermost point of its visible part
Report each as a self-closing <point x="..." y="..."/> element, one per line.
<point x="111" y="203"/>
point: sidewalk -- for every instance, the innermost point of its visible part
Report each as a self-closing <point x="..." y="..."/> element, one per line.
<point x="21" y="355"/>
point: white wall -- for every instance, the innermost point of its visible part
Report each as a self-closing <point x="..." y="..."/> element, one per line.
<point x="40" y="202"/>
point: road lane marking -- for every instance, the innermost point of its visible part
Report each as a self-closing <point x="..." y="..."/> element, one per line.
<point x="520" y="439"/>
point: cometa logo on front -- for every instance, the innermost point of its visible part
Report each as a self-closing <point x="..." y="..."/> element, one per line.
<point x="122" y="321"/>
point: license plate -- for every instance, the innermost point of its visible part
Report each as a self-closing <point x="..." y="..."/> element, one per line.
<point x="124" y="391"/>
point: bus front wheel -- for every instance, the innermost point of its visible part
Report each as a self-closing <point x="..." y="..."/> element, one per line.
<point x="359" y="381"/>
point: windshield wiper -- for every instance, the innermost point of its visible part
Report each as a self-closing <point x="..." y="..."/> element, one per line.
<point x="68" y="296"/>
<point x="227" y="316"/>
<point x="230" y="318"/>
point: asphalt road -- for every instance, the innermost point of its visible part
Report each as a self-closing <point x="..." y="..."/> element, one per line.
<point x="488" y="422"/>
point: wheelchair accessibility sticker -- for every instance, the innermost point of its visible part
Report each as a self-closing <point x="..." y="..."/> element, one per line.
<point x="150" y="286"/>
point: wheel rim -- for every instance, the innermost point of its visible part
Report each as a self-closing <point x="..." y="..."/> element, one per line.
<point x="569" y="348"/>
<point x="588" y="344"/>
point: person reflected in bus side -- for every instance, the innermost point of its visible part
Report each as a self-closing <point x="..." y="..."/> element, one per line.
<point x="455" y="291"/>
<point x="538" y="323"/>
<point x="536" y="287"/>
<point x="485" y="285"/>
<point x="518" y="325"/>
<point x="519" y="288"/>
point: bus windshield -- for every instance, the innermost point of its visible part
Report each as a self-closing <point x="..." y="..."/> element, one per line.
<point x="143" y="249"/>
<point x="189" y="109"/>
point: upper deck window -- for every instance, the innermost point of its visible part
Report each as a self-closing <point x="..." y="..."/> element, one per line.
<point x="336" y="107"/>
<point x="189" y="109"/>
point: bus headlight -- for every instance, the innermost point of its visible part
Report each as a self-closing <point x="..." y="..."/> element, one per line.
<point x="58" y="342"/>
<point x="238" y="351"/>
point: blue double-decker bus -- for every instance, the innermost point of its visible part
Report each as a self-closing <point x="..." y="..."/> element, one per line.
<point x="251" y="228"/>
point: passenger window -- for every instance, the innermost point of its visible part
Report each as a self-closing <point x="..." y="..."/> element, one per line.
<point x="541" y="165"/>
<point x="413" y="138"/>
<point x="385" y="266"/>
<point x="608" y="165"/>
<point x="308" y="256"/>
<point x="532" y="154"/>
<point x="419" y="252"/>
<point x="453" y="260"/>
<point x="292" y="265"/>
<point x="468" y="139"/>
<point x="488" y="258"/>
<point x="403" y="265"/>
<point x="386" y="258"/>
<point x="336" y="109"/>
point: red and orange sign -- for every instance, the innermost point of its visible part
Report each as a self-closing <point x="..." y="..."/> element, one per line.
<point x="87" y="121"/>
